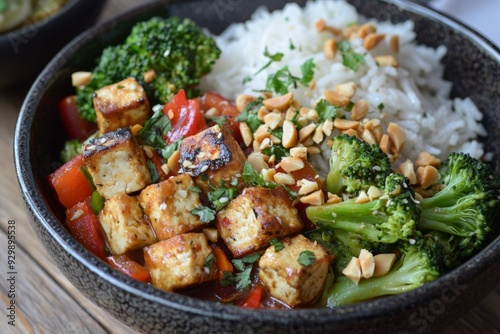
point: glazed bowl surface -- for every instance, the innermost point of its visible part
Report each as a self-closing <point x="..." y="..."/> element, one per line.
<point x="472" y="64"/>
<point x="26" y="50"/>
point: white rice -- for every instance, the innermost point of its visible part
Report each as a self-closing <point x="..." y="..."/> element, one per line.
<point x="414" y="95"/>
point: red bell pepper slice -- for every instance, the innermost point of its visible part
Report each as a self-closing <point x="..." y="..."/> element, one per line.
<point x="223" y="107"/>
<point x="185" y="117"/>
<point x="70" y="184"/>
<point x="254" y="297"/>
<point x="129" y="267"/>
<point x="85" y="227"/>
<point x="76" y="127"/>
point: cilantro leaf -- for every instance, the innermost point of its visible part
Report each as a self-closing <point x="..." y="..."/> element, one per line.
<point x="169" y="150"/>
<point x="155" y="129"/>
<point x="221" y="196"/>
<point x="195" y="189"/>
<point x="209" y="261"/>
<point x="326" y="110"/>
<point x="228" y="279"/>
<point x="381" y="106"/>
<point x="350" y="58"/>
<point x="243" y="278"/>
<point x="204" y="212"/>
<point x="252" y="178"/>
<point x="249" y="114"/>
<point x="307" y="70"/>
<point x="152" y="171"/>
<point x="280" y="81"/>
<point x="277" y="245"/>
<point x="307" y="258"/>
<point x="272" y="57"/>
<point x="218" y="119"/>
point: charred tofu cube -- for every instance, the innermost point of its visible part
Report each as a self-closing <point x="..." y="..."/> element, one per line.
<point x="168" y="206"/>
<point x="295" y="274"/>
<point x="116" y="163"/>
<point x="255" y="217"/>
<point x="124" y="225"/>
<point x="180" y="261"/>
<point x="212" y="155"/>
<point x="120" y="105"/>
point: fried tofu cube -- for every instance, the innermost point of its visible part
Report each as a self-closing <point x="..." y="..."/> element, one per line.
<point x="120" y="105"/>
<point x="180" y="261"/>
<point x="117" y="163"/>
<point x="168" y="206"/>
<point x="123" y="223"/>
<point x="255" y="217"/>
<point x="295" y="274"/>
<point x="212" y="155"/>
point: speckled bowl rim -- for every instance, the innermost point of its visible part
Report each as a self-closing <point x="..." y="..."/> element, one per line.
<point x="372" y="309"/>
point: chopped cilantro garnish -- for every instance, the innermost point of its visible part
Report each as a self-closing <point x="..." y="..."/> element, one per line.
<point x="195" y="189"/>
<point x="326" y="110"/>
<point x="252" y="178"/>
<point x="228" y="279"/>
<point x="307" y="69"/>
<point x="277" y="150"/>
<point x="221" y="196"/>
<point x="277" y="245"/>
<point x="272" y="57"/>
<point x="204" y="212"/>
<point x="381" y="107"/>
<point x="155" y="129"/>
<point x="152" y="171"/>
<point x="246" y="79"/>
<point x="350" y="58"/>
<point x="243" y="277"/>
<point x="168" y="150"/>
<point x="209" y="261"/>
<point x="307" y="258"/>
<point x="218" y="119"/>
<point x="291" y="45"/>
<point x="249" y="114"/>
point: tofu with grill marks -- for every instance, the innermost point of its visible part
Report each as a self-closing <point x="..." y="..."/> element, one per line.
<point x="168" y="204"/>
<point x="124" y="225"/>
<point x="117" y="163"/>
<point x="255" y="217"/>
<point x="287" y="279"/>
<point x="180" y="261"/>
<point x="212" y="155"/>
<point x="120" y="105"/>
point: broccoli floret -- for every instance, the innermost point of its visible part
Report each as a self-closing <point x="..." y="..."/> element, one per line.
<point x="387" y="219"/>
<point x="444" y="249"/>
<point x="177" y="50"/>
<point x="413" y="268"/>
<point x="70" y="150"/>
<point x="356" y="165"/>
<point x="467" y="205"/>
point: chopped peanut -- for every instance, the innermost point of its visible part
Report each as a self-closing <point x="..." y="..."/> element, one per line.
<point x="256" y="159"/>
<point x="366" y="29"/>
<point x="305" y="132"/>
<point x="307" y="186"/>
<point x="386" y="60"/>
<point x="299" y="152"/>
<point x="272" y="120"/>
<point x="385" y="143"/>
<point x="261" y="113"/>
<point x="266" y="143"/>
<point x="373" y="193"/>
<point x="327" y="127"/>
<point x="268" y="174"/>
<point x="427" y="176"/>
<point x="351" y="132"/>
<point x="336" y="98"/>
<point x="149" y="76"/>
<point x="313" y="150"/>
<point x="246" y="133"/>
<point x="372" y="40"/>
<point x="362" y="197"/>
<point x="383" y="263"/>
<point x="346" y="89"/>
<point x="344" y="124"/>
<point x="290" y="134"/>
<point x="353" y="270"/>
<point x="332" y="199"/>
<point x="280" y="103"/>
<point x="330" y="48"/>
<point x="173" y="162"/>
<point x="408" y="170"/>
<point x="318" y="134"/>
<point x="368" y="137"/>
<point x="427" y="159"/>
<point x="359" y="110"/>
<point x="290" y="164"/>
<point x="261" y="133"/>
<point x="242" y="101"/>
<point x="397" y="134"/>
<point x="312" y="115"/>
<point x="282" y="178"/>
<point x="350" y="30"/>
<point x="367" y="263"/>
<point x="211" y="233"/>
<point x="315" y="198"/>
<point x="81" y="78"/>
<point x="394" y="43"/>
<point x="135" y="129"/>
<point x="320" y="25"/>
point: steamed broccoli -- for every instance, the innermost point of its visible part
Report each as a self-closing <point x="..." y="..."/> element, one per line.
<point x="356" y="165"/>
<point x="387" y="219"/>
<point x="176" y="50"/>
<point x="415" y="267"/>
<point x="467" y="205"/>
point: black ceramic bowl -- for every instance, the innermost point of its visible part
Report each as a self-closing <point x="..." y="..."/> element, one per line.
<point x="25" y="51"/>
<point x="473" y="65"/>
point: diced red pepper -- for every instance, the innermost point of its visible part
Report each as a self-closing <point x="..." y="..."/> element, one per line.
<point x="222" y="262"/>
<point x="254" y="297"/>
<point x="76" y="127"/>
<point x="129" y="267"/>
<point x="223" y="107"/>
<point x="70" y="184"/>
<point x="185" y="117"/>
<point x="85" y="227"/>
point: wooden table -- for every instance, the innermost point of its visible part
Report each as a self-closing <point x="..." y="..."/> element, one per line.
<point x="47" y="303"/>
